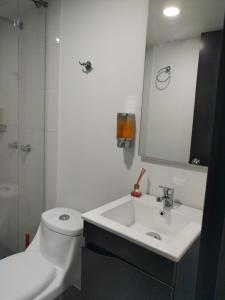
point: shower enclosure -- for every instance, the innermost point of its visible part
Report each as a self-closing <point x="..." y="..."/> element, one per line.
<point x="22" y="115"/>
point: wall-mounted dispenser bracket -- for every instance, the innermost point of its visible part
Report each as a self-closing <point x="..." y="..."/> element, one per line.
<point x="124" y="143"/>
<point x="125" y="130"/>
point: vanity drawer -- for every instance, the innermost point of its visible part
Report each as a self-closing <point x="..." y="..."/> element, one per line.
<point x="105" y="276"/>
<point x="151" y="263"/>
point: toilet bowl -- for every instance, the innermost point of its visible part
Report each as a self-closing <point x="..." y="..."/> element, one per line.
<point x="50" y="264"/>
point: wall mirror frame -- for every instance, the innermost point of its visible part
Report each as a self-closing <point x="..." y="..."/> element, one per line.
<point x="180" y="82"/>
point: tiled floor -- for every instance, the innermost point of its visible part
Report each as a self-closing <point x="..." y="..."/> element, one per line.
<point x="4" y="251"/>
<point x="71" y="294"/>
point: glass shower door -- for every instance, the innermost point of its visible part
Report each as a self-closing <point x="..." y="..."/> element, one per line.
<point x="31" y="118"/>
<point x="22" y="119"/>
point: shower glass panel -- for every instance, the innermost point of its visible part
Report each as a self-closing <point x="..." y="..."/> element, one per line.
<point x="31" y="117"/>
<point x="22" y="112"/>
<point x="9" y="205"/>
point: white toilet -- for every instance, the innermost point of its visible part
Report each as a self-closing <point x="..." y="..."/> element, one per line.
<point x="50" y="264"/>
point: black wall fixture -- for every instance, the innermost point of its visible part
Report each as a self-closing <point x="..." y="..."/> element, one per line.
<point x="211" y="272"/>
<point x="205" y="98"/>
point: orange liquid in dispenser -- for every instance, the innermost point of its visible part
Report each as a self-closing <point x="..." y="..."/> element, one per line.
<point x="120" y="127"/>
<point x="125" y="126"/>
<point x="129" y="128"/>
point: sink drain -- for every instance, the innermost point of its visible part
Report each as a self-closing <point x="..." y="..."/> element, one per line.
<point x="155" y="235"/>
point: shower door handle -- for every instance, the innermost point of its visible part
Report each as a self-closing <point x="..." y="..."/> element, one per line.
<point x="26" y="148"/>
<point x="14" y="145"/>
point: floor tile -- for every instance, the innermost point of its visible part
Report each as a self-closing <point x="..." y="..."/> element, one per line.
<point x="4" y="251"/>
<point x="71" y="294"/>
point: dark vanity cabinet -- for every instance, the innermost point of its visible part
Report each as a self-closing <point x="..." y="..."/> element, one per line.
<point x="205" y="98"/>
<point x="114" y="268"/>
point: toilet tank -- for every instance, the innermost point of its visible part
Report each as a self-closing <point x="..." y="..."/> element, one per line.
<point x="59" y="237"/>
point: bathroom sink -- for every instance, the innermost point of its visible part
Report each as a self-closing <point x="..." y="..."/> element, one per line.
<point x="141" y="221"/>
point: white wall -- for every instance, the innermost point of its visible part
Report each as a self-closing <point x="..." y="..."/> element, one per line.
<point x="112" y="35"/>
<point x="91" y="169"/>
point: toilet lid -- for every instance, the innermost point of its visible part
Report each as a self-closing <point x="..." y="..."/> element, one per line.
<point x="63" y="220"/>
<point x="24" y="276"/>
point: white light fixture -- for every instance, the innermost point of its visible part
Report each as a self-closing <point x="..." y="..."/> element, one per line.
<point x="171" y="11"/>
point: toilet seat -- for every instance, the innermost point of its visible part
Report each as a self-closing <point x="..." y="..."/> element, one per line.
<point x="24" y="276"/>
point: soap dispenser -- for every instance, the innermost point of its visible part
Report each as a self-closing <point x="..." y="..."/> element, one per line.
<point x="125" y="129"/>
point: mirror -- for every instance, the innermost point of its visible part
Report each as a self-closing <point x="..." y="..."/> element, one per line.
<point x="181" y="73"/>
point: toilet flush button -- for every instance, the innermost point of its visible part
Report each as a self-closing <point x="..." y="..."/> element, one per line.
<point x="64" y="217"/>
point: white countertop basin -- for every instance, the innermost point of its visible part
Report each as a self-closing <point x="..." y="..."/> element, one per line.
<point x="136" y="219"/>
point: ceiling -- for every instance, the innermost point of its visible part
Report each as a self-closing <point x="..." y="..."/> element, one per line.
<point x="196" y="16"/>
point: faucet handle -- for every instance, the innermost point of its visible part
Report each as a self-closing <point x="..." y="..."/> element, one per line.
<point x="167" y="191"/>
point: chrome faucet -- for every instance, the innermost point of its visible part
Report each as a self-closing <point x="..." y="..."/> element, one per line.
<point x="167" y="199"/>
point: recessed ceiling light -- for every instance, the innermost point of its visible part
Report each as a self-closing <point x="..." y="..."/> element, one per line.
<point x="171" y="11"/>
